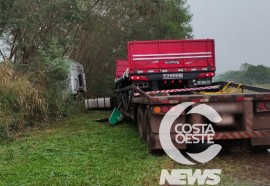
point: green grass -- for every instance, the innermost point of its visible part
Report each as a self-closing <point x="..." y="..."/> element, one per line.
<point x="80" y="151"/>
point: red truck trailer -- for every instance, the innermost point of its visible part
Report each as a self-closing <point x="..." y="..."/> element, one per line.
<point x="121" y="68"/>
<point x="163" y="64"/>
<point x="162" y="74"/>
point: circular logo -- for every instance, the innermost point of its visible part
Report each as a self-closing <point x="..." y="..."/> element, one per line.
<point x="166" y="125"/>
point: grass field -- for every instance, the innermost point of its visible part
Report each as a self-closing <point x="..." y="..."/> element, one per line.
<point x="80" y="151"/>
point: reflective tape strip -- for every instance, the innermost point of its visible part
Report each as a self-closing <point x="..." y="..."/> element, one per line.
<point x="174" y="70"/>
<point x="242" y="135"/>
<point x="249" y="121"/>
<point x="181" y="90"/>
<point x="171" y="54"/>
<point x="162" y="58"/>
<point x="237" y="135"/>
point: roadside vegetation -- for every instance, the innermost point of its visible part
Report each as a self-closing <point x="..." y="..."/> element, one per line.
<point x="248" y="74"/>
<point x="38" y="38"/>
<point x="39" y="143"/>
<point x="92" y="32"/>
<point x="20" y="101"/>
<point x="80" y="151"/>
<point x="30" y="95"/>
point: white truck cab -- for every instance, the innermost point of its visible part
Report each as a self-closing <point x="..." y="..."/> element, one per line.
<point x="76" y="80"/>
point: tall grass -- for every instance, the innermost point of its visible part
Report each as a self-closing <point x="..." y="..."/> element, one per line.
<point x="35" y="92"/>
<point x="21" y="103"/>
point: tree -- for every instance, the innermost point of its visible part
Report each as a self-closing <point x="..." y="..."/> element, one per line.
<point x="248" y="73"/>
<point x="111" y="24"/>
<point x="92" y="32"/>
<point x="257" y="74"/>
<point x="28" y="25"/>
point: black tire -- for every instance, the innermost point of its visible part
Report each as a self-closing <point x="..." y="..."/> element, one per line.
<point x="150" y="148"/>
<point x="148" y="134"/>
<point x="141" y="122"/>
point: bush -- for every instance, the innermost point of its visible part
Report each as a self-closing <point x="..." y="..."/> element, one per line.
<point x="35" y="92"/>
<point x="49" y="72"/>
<point x="21" y="103"/>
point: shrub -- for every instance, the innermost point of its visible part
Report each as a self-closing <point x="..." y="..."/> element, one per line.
<point x="21" y="103"/>
<point x="35" y="92"/>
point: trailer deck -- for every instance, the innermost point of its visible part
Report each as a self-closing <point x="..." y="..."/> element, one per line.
<point x="245" y="115"/>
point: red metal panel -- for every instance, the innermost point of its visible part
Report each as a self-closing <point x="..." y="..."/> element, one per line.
<point x="191" y="55"/>
<point x="121" y="67"/>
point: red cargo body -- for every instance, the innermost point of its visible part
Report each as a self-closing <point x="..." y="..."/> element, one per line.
<point x="121" y="67"/>
<point x="171" y="56"/>
<point x="164" y="64"/>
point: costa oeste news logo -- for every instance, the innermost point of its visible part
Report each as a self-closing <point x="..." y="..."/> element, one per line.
<point x="188" y="133"/>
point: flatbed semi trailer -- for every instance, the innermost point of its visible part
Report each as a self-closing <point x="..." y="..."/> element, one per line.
<point x="146" y="95"/>
<point x="245" y="115"/>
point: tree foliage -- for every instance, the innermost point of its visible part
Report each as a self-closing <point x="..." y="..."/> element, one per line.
<point x="250" y="74"/>
<point x="28" y="26"/>
<point x="92" y="32"/>
<point x="104" y="36"/>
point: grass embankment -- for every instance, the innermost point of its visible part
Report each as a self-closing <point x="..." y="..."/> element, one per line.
<point x="80" y="151"/>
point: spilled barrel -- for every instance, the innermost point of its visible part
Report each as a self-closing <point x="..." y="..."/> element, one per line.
<point x="100" y="103"/>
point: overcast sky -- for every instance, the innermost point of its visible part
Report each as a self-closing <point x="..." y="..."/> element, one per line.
<point x="241" y="29"/>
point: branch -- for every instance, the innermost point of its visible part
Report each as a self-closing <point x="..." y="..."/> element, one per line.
<point x="3" y="56"/>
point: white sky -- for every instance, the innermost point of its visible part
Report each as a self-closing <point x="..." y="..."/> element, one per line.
<point x="241" y="29"/>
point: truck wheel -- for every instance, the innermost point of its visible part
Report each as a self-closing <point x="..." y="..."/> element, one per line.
<point x="141" y="122"/>
<point x="150" y="138"/>
<point x="150" y="144"/>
